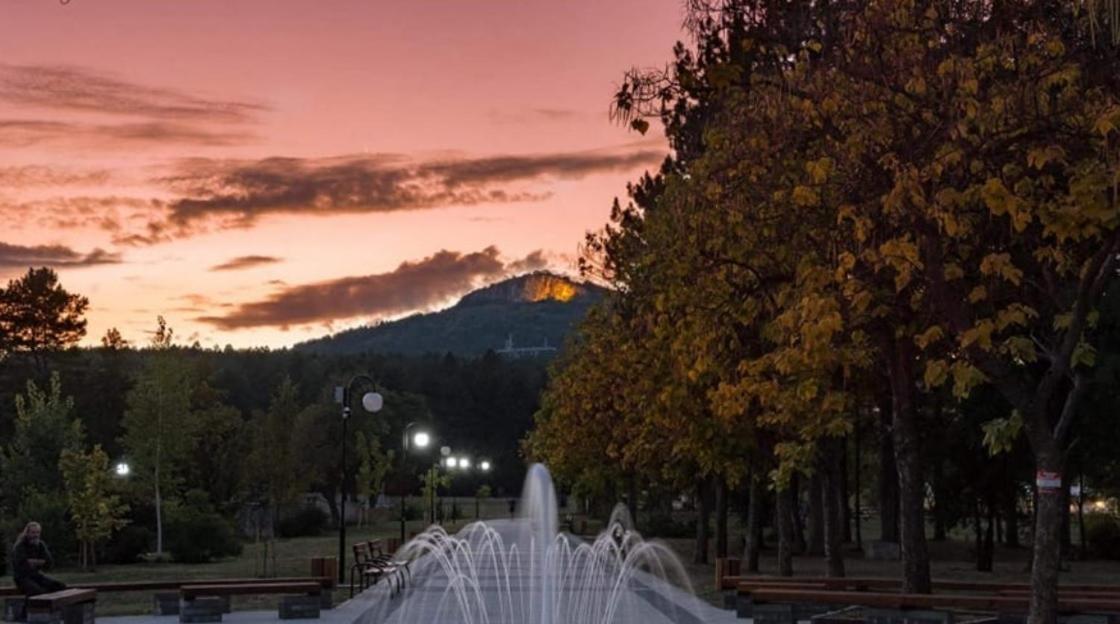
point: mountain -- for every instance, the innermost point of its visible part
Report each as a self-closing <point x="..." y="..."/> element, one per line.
<point x="532" y="311"/>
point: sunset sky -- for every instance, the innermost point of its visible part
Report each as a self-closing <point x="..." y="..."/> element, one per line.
<point x="264" y="172"/>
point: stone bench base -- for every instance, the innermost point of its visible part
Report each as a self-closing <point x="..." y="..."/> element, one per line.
<point x="203" y="609"/>
<point x="81" y="613"/>
<point x="167" y="603"/>
<point x="13" y="610"/>
<point x="299" y="607"/>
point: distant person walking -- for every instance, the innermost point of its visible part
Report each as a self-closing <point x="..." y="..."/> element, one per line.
<point x="30" y="556"/>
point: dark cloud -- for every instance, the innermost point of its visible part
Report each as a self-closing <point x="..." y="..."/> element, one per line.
<point x="244" y="262"/>
<point x="79" y="89"/>
<point x="111" y="213"/>
<point x="236" y="193"/>
<point x="19" y="257"/>
<point x="28" y="132"/>
<point x="411" y="286"/>
<point x="535" y="261"/>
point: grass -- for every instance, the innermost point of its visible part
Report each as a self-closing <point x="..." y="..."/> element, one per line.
<point x="292" y="557"/>
<point x="286" y="557"/>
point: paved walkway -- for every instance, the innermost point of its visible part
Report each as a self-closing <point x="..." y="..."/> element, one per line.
<point x="346" y="613"/>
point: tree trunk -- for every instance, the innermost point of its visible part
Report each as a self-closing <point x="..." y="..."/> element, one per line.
<point x="159" y="518"/>
<point x="911" y="486"/>
<point x="754" y="524"/>
<point x="858" y="508"/>
<point x="816" y="513"/>
<point x="1047" y="544"/>
<point x="939" y="495"/>
<point x="701" y="554"/>
<point x="1011" y="520"/>
<point x="842" y="492"/>
<point x="832" y="498"/>
<point x="888" y="475"/>
<point x="1081" y="516"/>
<point x="799" y="544"/>
<point x="785" y="532"/>
<point x="721" y="517"/>
<point x="1067" y="527"/>
<point x="632" y="499"/>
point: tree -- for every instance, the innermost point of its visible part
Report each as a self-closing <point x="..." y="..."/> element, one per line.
<point x="113" y="341"/>
<point x="37" y="315"/>
<point x="95" y="511"/>
<point x="374" y="464"/>
<point x="44" y="429"/>
<point x="159" y="431"/>
<point x="273" y="468"/>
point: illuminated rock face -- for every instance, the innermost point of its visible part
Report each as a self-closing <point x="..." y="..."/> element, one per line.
<point x="531" y="288"/>
<point x="545" y="287"/>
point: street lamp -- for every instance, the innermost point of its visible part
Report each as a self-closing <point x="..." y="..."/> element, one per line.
<point x="484" y="466"/>
<point x="413" y="439"/>
<point x="122" y="469"/>
<point x="371" y="402"/>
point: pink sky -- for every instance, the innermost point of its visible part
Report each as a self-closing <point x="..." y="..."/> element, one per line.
<point x="360" y="160"/>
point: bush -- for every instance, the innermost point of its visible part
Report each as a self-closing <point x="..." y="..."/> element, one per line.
<point x="128" y="544"/>
<point x="1102" y="532"/>
<point x="194" y="535"/>
<point x="414" y="511"/>
<point x="664" y="526"/>
<point x="305" y="522"/>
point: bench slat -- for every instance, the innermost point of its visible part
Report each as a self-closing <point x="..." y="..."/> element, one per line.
<point x="191" y="591"/>
<point x="62" y="598"/>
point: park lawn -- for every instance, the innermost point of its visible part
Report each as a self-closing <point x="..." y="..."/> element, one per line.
<point x="292" y="557"/>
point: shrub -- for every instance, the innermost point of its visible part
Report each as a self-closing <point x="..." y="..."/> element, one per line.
<point x="305" y="522"/>
<point x="661" y="525"/>
<point x="1102" y="532"/>
<point x="414" y="511"/>
<point x="128" y="544"/>
<point x="195" y="535"/>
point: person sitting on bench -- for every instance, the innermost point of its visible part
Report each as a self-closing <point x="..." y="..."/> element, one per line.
<point x="30" y="556"/>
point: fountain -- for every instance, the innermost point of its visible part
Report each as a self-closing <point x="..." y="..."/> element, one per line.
<point x="524" y="571"/>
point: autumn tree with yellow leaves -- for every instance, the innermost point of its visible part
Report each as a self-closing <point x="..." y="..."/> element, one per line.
<point x="923" y="190"/>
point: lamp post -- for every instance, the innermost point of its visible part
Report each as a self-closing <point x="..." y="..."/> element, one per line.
<point x="484" y="466"/>
<point x="122" y="469"/>
<point x="418" y="440"/>
<point x="372" y="402"/>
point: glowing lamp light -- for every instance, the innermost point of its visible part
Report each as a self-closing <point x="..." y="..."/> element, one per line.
<point x="421" y="439"/>
<point x="373" y="402"/>
<point x="122" y="469"/>
<point x="464" y="462"/>
<point x="451" y="462"/>
<point x="485" y="466"/>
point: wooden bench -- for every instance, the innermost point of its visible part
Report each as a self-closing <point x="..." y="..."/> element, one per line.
<point x="870" y="583"/>
<point x="69" y="606"/>
<point x="787" y="606"/>
<point x="166" y="592"/>
<point x="203" y="602"/>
